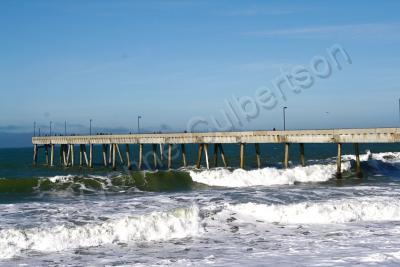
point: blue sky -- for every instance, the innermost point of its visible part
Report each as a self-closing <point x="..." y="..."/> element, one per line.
<point x="170" y="61"/>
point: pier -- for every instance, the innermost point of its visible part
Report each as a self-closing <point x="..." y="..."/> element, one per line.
<point x="111" y="145"/>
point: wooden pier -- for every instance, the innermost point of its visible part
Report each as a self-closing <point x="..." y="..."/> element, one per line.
<point x="111" y="145"/>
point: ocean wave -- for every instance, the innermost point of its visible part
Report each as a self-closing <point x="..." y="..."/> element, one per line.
<point x="267" y="176"/>
<point x="157" y="226"/>
<point x="326" y="212"/>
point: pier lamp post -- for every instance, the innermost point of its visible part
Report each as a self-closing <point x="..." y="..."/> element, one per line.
<point x="138" y="124"/>
<point x="284" y="118"/>
<point x="50" y="128"/>
<point x="90" y="127"/>
<point x="65" y="128"/>
<point x="34" y="128"/>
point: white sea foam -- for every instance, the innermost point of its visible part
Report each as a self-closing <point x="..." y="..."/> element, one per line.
<point x="267" y="176"/>
<point x="388" y="157"/>
<point x="61" y="178"/>
<point x="327" y="212"/>
<point x="178" y="223"/>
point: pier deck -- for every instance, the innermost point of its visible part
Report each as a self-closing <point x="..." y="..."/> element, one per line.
<point x="373" y="135"/>
<point x="111" y="145"/>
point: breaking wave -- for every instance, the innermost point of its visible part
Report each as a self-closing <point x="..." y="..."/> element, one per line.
<point x="267" y="176"/>
<point x="174" y="224"/>
<point x="326" y="212"/>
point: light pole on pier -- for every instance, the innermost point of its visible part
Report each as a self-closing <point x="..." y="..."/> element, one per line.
<point x="50" y="128"/>
<point x="65" y="128"/>
<point x="138" y="124"/>
<point x="90" y="127"/>
<point x="284" y="118"/>
<point x="34" y="128"/>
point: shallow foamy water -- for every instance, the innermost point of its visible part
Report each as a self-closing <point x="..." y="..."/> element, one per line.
<point x="300" y="216"/>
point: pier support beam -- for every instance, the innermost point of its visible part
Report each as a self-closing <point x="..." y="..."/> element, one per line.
<point x="72" y="155"/>
<point x="339" y="162"/>
<point x="206" y="154"/>
<point x="358" y="162"/>
<point x="140" y="162"/>
<point x="81" y="155"/>
<point x="258" y="156"/>
<point x="221" y="149"/>
<point x="35" y="152"/>
<point x="121" y="159"/>
<point x="114" y="156"/>
<point x="169" y="156"/>
<point x="52" y="155"/>
<point x="183" y="148"/>
<point x="155" y="156"/>
<point x="199" y="155"/>
<point x="90" y="155"/>
<point x="64" y="151"/>
<point x="215" y="156"/>
<point x="128" y="157"/>
<point x="85" y="155"/>
<point x="105" y="155"/>
<point x="46" y="148"/>
<point x="242" y="148"/>
<point x="302" y="155"/>
<point x="286" y="159"/>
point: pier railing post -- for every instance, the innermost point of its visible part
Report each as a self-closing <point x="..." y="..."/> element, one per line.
<point x="339" y="162"/>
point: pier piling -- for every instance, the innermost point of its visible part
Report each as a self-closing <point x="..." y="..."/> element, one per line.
<point x="128" y="157"/>
<point x="358" y="163"/>
<point x="184" y="161"/>
<point x="286" y="159"/>
<point x="339" y="162"/>
<point x="221" y="149"/>
<point x="302" y="155"/>
<point x="242" y="148"/>
<point x="258" y="156"/>
<point x="140" y="162"/>
<point x="169" y="156"/>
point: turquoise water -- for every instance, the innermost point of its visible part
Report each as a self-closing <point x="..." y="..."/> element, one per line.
<point x="79" y="216"/>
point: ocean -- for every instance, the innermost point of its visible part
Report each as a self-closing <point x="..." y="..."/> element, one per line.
<point x="301" y="216"/>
